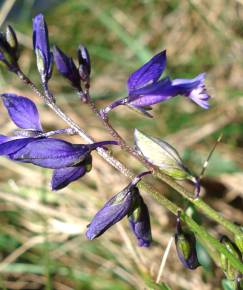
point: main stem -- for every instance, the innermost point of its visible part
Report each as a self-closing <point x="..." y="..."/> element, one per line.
<point x="199" y="230"/>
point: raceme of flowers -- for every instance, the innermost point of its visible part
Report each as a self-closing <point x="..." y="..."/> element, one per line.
<point x="31" y="144"/>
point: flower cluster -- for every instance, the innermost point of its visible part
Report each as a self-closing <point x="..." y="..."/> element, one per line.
<point x="31" y="144"/>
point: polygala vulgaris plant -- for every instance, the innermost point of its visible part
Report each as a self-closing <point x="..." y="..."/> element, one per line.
<point x="30" y="143"/>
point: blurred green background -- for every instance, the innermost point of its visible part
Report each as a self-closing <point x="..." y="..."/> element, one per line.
<point x="42" y="243"/>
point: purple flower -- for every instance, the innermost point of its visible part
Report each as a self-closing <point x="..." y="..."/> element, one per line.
<point x="42" y="49"/>
<point x="186" y="247"/>
<point x="66" y="67"/>
<point x="55" y="153"/>
<point x="63" y="176"/>
<point x="112" y="212"/>
<point x="140" y="223"/>
<point x="145" y="88"/>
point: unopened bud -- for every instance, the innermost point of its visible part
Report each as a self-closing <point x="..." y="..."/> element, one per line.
<point x="186" y="246"/>
<point x="11" y="38"/>
<point x="84" y="63"/>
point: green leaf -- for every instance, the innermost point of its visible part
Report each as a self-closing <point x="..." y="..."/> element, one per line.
<point x="228" y="285"/>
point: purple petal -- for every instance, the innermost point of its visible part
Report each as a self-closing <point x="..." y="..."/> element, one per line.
<point x="22" y="111"/>
<point x="41" y="43"/>
<point x="3" y="139"/>
<point x="13" y="145"/>
<point x="140" y="224"/>
<point x="194" y="89"/>
<point x="63" y="176"/>
<point x="66" y="67"/>
<point x="149" y="72"/>
<point x="112" y="212"/>
<point x="152" y="94"/>
<point x="52" y="153"/>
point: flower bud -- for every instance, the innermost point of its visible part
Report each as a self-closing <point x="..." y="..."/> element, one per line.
<point x="228" y="269"/>
<point x="140" y="222"/>
<point x="9" y="48"/>
<point x="11" y="38"/>
<point x="84" y="63"/>
<point x="112" y="212"/>
<point x="42" y="49"/>
<point x="164" y="156"/>
<point x="66" y="67"/>
<point x="186" y="247"/>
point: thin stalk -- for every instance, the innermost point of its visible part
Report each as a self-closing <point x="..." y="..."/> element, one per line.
<point x="199" y="230"/>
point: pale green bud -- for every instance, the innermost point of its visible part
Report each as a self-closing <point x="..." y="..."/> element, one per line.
<point x="11" y="38"/>
<point x="162" y="155"/>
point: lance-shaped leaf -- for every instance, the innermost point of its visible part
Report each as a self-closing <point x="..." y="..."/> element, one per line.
<point x="140" y="222"/>
<point x="64" y="176"/>
<point x="186" y="247"/>
<point x="149" y="72"/>
<point x="66" y="67"/>
<point x="112" y="212"/>
<point x="22" y="111"/>
<point x="238" y="239"/>
<point x="227" y="267"/>
<point x="55" y="153"/>
<point x="42" y="47"/>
